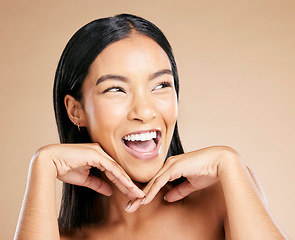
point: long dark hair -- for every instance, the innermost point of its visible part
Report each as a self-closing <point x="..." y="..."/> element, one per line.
<point x="80" y="52"/>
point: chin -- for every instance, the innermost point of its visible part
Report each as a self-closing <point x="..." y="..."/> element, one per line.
<point x="143" y="178"/>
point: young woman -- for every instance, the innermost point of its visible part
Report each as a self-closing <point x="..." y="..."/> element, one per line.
<point x="124" y="170"/>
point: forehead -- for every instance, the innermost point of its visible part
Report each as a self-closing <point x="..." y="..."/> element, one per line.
<point x="137" y="53"/>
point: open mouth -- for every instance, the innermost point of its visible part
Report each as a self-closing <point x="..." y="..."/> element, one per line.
<point x="143" y="145"/>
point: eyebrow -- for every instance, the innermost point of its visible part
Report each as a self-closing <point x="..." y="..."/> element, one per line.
<point x="125" y="79"/>
<point x="160" y="73"/>
<point x="111" y="77"/>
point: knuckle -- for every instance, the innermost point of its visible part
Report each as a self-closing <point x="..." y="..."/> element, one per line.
<point x="228" y="151"/>
<point x="96" y="146"/>
<point x="170" y="159"/>
<point x="88" y="182"/>
<point x="115" y="181"/>
<point x="114" y="163"/>
<point x="99" y="184"/>
<point x="190" y="186"/>
<point x="157" y="182"/>
<point x="93" y="153"/>
<point x="110" y="175"/>
<point x="181" y="192"/>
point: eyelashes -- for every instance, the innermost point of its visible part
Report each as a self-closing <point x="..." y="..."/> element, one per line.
<point x="117" y="89"/>
<point x="163" y="85"/>
<point x="114" y="89"/>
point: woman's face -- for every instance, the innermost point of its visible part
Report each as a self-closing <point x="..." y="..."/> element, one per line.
<point x="130" y="104"/>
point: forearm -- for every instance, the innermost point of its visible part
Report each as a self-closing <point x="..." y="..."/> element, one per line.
<point x="248" y="217"/>
<point x="38" y="217"/>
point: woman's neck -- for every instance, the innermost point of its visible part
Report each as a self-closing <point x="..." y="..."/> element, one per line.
<point x="115" y="212"/>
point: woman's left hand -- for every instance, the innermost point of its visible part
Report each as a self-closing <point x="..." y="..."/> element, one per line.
<point x="205" y="167"/>
<point x="199" y="167"/>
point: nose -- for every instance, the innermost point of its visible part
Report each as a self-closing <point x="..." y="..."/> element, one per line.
<point x="142" y="109"/>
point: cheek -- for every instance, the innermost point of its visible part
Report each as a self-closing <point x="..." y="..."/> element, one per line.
<point x="104" y="116"/>
<point x="169" y="109"/>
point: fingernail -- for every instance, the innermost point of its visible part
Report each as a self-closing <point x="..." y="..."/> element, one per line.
<point x="127" y="206"/>
<point x="165" y="198"/>
<point x="142" y="202"/>
<point x="142" y="192"/>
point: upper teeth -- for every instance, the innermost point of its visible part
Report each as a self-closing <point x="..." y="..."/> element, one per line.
<point x="141" y="136"/>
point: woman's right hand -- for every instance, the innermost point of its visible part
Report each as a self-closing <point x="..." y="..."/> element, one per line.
<point x="74" y="161"/>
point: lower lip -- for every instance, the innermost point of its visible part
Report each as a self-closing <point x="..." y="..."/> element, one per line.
<point x="144" y="155"/>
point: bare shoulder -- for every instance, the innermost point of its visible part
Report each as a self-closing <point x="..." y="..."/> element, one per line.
<point x="211" y="197"/>
<point x="208" y="207"/>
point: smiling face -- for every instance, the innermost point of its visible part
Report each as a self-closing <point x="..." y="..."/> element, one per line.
<point x="130" y="104"/>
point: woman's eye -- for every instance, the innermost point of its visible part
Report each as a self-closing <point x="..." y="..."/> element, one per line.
<point x="163" y="85"/>
<point x="114" y="89"/>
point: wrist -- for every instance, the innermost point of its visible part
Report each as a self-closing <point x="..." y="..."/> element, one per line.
<point x="228" y="162"/>
<point x="42" y="162"/>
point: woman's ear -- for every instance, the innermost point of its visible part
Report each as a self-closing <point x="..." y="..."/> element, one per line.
<point x="75" y="111"/>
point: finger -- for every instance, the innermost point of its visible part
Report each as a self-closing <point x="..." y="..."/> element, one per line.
<point x="169" y="162"/>
<point x="105" y="162"/>
<point x="167" y="165"/>
<point x="172" y="173"/>
<point x="120" y="178"/>
<point x="98" y="185"/>
<point x="157" y="185"/>
<point x="119" y="185"/>
<point x="131" y="193"/>
<point x="180" y="191"/>
<point x="132" y="206"/>
<point x="125" y="180"/>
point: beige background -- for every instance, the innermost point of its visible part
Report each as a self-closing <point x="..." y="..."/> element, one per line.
<point x="236" y="63"/>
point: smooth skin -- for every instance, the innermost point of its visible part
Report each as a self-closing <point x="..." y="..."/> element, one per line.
<point x="135" y="92"/>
